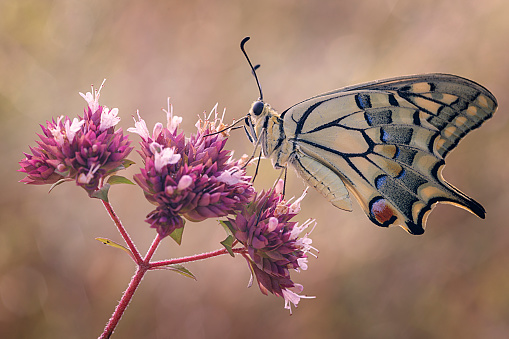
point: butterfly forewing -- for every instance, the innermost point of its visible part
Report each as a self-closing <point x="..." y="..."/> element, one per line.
<point x="386" y="142"/>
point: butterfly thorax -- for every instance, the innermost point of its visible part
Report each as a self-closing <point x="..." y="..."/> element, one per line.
<point x="268" y="128"/>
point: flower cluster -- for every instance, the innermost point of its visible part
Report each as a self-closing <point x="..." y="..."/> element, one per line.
<point x="273" y="243"/>
<point x="85" y="150"/>
<point x="194" y="178"/>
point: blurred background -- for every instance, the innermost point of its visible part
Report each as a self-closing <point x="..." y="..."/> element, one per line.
<point x="56" y="281"/>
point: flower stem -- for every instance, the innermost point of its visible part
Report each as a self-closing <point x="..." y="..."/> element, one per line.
<point x="143" y="267"/>
<point x="157" y="264"/>
<point x="151" y="250"/>
<point x="123" y="232"/>
<point x="122" y="305"/>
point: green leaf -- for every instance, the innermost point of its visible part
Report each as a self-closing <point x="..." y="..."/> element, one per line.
<point x="177" y="234"/>
<point x="101" y="193"/>
<point x="227" y="225"/>
<point x="118" y="179"/>
<point x="228" y="243"/>
<point x="114" y="244"/>
<point x="127" y="163"/>
<point x="180" y="270"/>
<point x="59" y="182"/>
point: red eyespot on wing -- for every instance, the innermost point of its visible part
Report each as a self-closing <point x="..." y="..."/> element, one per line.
<point x="382" y="212"/>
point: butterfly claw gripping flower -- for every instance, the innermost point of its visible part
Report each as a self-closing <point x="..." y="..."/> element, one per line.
<point x="194" y="178"/>
<point x="273" y="243"/>
<point x="85" y="150"/>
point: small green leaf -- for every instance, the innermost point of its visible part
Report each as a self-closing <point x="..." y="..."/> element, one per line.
<point x="227" y="225"/>
<point x="59" y="182"/>
<point x="101" y="193"/>
<point x="127" y="163"/>
<point x="114" y="244"/>
<point x="118" y="179"/>
<point x="181" y="270"/>
<point x="228" y="243"/>
<point x="177" y="234"/>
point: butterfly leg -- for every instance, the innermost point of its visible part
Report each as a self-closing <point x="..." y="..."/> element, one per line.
<point x="257" y="167"/>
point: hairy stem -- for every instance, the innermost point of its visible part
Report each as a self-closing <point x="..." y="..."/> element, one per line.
<point x="122" y="305"/>
<point x="196" y="257"/>
<point x="123" y="232"/>
<point x="143" y="267"/>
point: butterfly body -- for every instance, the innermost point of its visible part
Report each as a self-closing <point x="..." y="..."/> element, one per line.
<point x="383" y="142"/>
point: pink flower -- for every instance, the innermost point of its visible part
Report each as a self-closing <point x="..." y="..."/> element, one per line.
<point x="194" y="178"/>
<point x="85" y="150"/>
<point x="273" y="243"/>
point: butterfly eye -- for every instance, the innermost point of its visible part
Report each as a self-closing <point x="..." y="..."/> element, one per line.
<point x="257" y="108"/>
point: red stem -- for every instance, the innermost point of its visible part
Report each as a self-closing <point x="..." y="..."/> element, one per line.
<point x="143" y="267"/>
<point x="151" y="250"/>
<point x="123" y="232"/>
<point x="196" y="257"/>
<point x="122" y="305"/>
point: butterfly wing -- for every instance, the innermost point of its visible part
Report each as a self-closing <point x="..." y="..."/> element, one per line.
<point x="385" y="142"/>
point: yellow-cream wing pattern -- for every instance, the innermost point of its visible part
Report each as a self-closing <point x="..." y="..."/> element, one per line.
<point x="384" y="142"/>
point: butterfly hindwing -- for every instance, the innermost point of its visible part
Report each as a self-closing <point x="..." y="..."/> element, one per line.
<point x="386" y="142"/>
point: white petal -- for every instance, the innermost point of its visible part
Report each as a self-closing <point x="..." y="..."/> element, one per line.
<point x="108" y="118"/>
<point x="163" y="156"/>
<point x="72" y="129"/>
<point x="140" y="128"/>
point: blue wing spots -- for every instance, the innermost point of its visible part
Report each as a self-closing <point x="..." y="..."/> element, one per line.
<point x="381" y="212"/>
<point x="401" y="174"/>
<point x="363" y="101"/>
<point x="378" y="117"/>
<point x="411" y="180"/>
<point x="380" y="181"/>
<point x="397" y="153"/>
<point x="406" y="155"/>
<point x="397" y="134"/>
<point x="385" y="136"/>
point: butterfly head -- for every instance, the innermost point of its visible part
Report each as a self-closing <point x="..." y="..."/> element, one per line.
<point x="256" y="118"/>
<point x="260" y="113"/>
<point x="257" y="108"/>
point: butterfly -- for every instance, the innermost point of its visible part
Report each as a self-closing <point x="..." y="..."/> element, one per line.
<point x="383" y="142"/>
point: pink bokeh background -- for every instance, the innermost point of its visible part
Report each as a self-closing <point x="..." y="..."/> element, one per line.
<point x="56" y="281"/>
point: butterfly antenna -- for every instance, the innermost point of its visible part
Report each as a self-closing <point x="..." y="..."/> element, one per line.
<point x="253" y="69"/>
